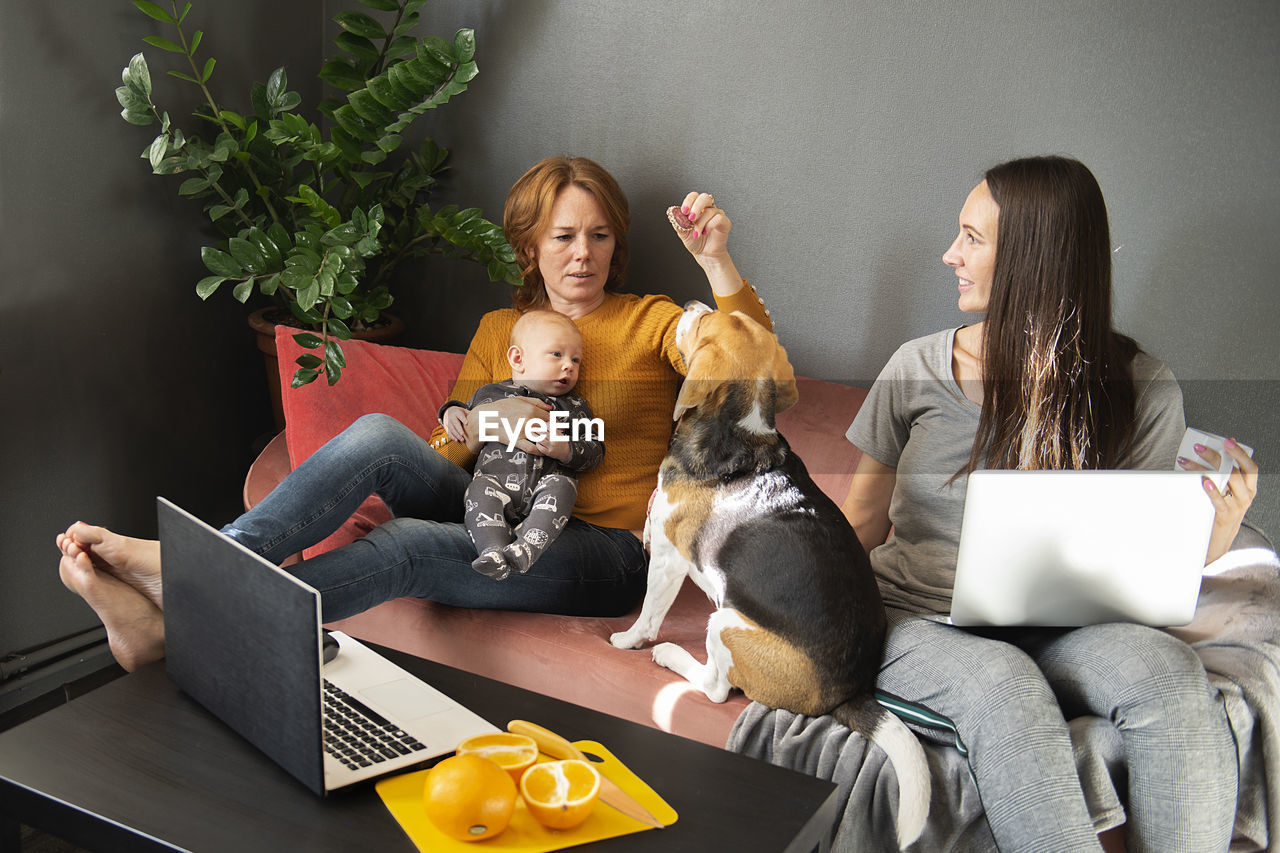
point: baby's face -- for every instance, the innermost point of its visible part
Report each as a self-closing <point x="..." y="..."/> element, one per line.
<point x="550" y="356"/>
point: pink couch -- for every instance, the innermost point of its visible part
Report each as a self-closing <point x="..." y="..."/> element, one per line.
<point x="563" y="656"/>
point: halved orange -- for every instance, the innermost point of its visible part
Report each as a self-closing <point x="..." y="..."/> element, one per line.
<point x="560" y="794"/>
<point x="469" y="798"/>
<point x="513" y="753"/>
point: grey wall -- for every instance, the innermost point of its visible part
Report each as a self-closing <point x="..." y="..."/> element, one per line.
<point x="841" y="137"/>
<point x="118" y="383"/>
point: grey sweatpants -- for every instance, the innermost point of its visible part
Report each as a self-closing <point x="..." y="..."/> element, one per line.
<point x="1009" y="700"/>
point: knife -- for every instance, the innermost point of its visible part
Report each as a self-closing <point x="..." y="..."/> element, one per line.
<point x="557" y="747"/>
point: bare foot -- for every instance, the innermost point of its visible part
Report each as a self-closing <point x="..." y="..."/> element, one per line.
<point x="134" y="561"/>
<point x="135" y="626"/>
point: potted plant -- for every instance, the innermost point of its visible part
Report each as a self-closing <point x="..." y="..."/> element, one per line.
<point x="318" y="219"/>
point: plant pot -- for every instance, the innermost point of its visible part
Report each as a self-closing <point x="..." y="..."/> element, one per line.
<point x="264" y="322"/>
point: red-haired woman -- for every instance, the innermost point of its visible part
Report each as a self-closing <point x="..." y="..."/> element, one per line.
<point x="567" y="220"/>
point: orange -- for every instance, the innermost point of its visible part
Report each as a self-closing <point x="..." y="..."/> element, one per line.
<point x="513" y="753"/>
<point x="560" y="794"/>
<point x="469" y="798"/>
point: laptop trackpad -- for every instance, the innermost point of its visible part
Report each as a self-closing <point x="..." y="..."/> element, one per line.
<point x="407" y="699"/>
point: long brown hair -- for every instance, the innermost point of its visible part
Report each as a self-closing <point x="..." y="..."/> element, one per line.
<point x="1057" y="378"/>
<point x="527" y="216"/>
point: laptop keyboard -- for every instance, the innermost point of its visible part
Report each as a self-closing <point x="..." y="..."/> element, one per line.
<point x="358" y="736"/>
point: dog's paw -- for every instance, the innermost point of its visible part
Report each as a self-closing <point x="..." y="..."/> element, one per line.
<point x="626" y="640"/>
<point x="671" y="656"/>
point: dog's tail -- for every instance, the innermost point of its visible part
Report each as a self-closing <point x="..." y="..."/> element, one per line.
<point x="865" y="715"/>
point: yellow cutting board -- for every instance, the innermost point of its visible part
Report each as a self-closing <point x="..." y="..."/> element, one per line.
<point x="402" y="796"/>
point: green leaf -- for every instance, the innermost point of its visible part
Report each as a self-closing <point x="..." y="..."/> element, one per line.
<point x="232" y="118"/>
<point x="307" y="340"/>
<point x="309" y="295"/>
<point x="402" y="46"/>
<point x="223" y="147"/>
<point x="208" y="70"/>
<point x="343" y="235"/>
<point x="243" y="291"/>
<point x="360" y="24"/>
<point x="341" y="308"/>
<point x="333" y="353"/>
<point x="219" y="263"/>
<point x="352" y="123"/>
<point x="347" y="284"/>
<point x="382" y="89"/>
<point x="163" y="44"/>
<point x="249" y="256"/>
<point x="368" y="108"/>
<point x="358" y="46"/>
<point x="156" y="153"/>
<point x="194" y="186"/>
<point x="303" y="377"/>
<point x="195" y="41"/>
<point x="134" y="117"/>
<point x="407" y="23"/>
<point x="277" y="83"/>
<point x="154" y="11"/>
<point x="309" y="361"/>
<point x="269" y="285"/>
<point x="258" y="100"/>
<point x="436" y="48"/>
<point x="269" y="248"/>
<point x="464" y="45"/>
<point x="342" y="75"/>
<point x="206" y="286"/>
<point x="182" y="76"/>
<point x="137" y="76"/>
<point x="467" y="72"/>
<point x="338" y="329"/>
<point x="332" y="373"/>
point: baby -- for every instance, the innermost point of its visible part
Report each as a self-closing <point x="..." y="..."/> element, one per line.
<point x="535" y="491"/>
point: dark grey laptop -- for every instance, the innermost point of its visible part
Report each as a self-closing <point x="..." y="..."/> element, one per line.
<point x="243" y="638"/>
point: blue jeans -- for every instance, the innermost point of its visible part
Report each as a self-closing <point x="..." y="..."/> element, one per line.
<point x="424" y="551"/>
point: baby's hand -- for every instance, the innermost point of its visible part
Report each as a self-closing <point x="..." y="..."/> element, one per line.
<point x="560" y="450"/>
<point x="455" y="423"/>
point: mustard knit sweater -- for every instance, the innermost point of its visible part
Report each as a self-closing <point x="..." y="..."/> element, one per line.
<point x="630" y="376"/>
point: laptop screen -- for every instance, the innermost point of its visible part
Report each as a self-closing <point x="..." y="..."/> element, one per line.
<point x="242" y="639"/>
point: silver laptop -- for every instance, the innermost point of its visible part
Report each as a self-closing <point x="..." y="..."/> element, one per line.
<point x="243" y="638"/>
<point x="1071" y="548"/>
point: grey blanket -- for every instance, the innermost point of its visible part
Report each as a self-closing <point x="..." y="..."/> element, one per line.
<point x="1236" y="632"/>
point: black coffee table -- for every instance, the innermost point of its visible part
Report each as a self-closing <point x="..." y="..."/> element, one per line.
<point x="138" y="765"/>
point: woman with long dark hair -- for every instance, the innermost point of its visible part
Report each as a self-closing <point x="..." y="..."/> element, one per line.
<point x="1042" y="382"/>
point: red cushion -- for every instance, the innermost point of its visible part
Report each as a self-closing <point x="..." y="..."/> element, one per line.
<point x="408" y="384"/>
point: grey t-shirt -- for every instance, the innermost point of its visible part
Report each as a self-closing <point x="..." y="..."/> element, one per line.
<point x="917" y="420"/>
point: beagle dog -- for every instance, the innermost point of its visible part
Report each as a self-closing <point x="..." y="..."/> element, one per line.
<point x="798" y="621"/>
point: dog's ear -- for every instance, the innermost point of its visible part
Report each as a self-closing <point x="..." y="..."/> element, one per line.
<point x="770" y="356"/>
<point x="784" y="379"/>
<point x="702" y="363"/>
<point x="693" y="393"/>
